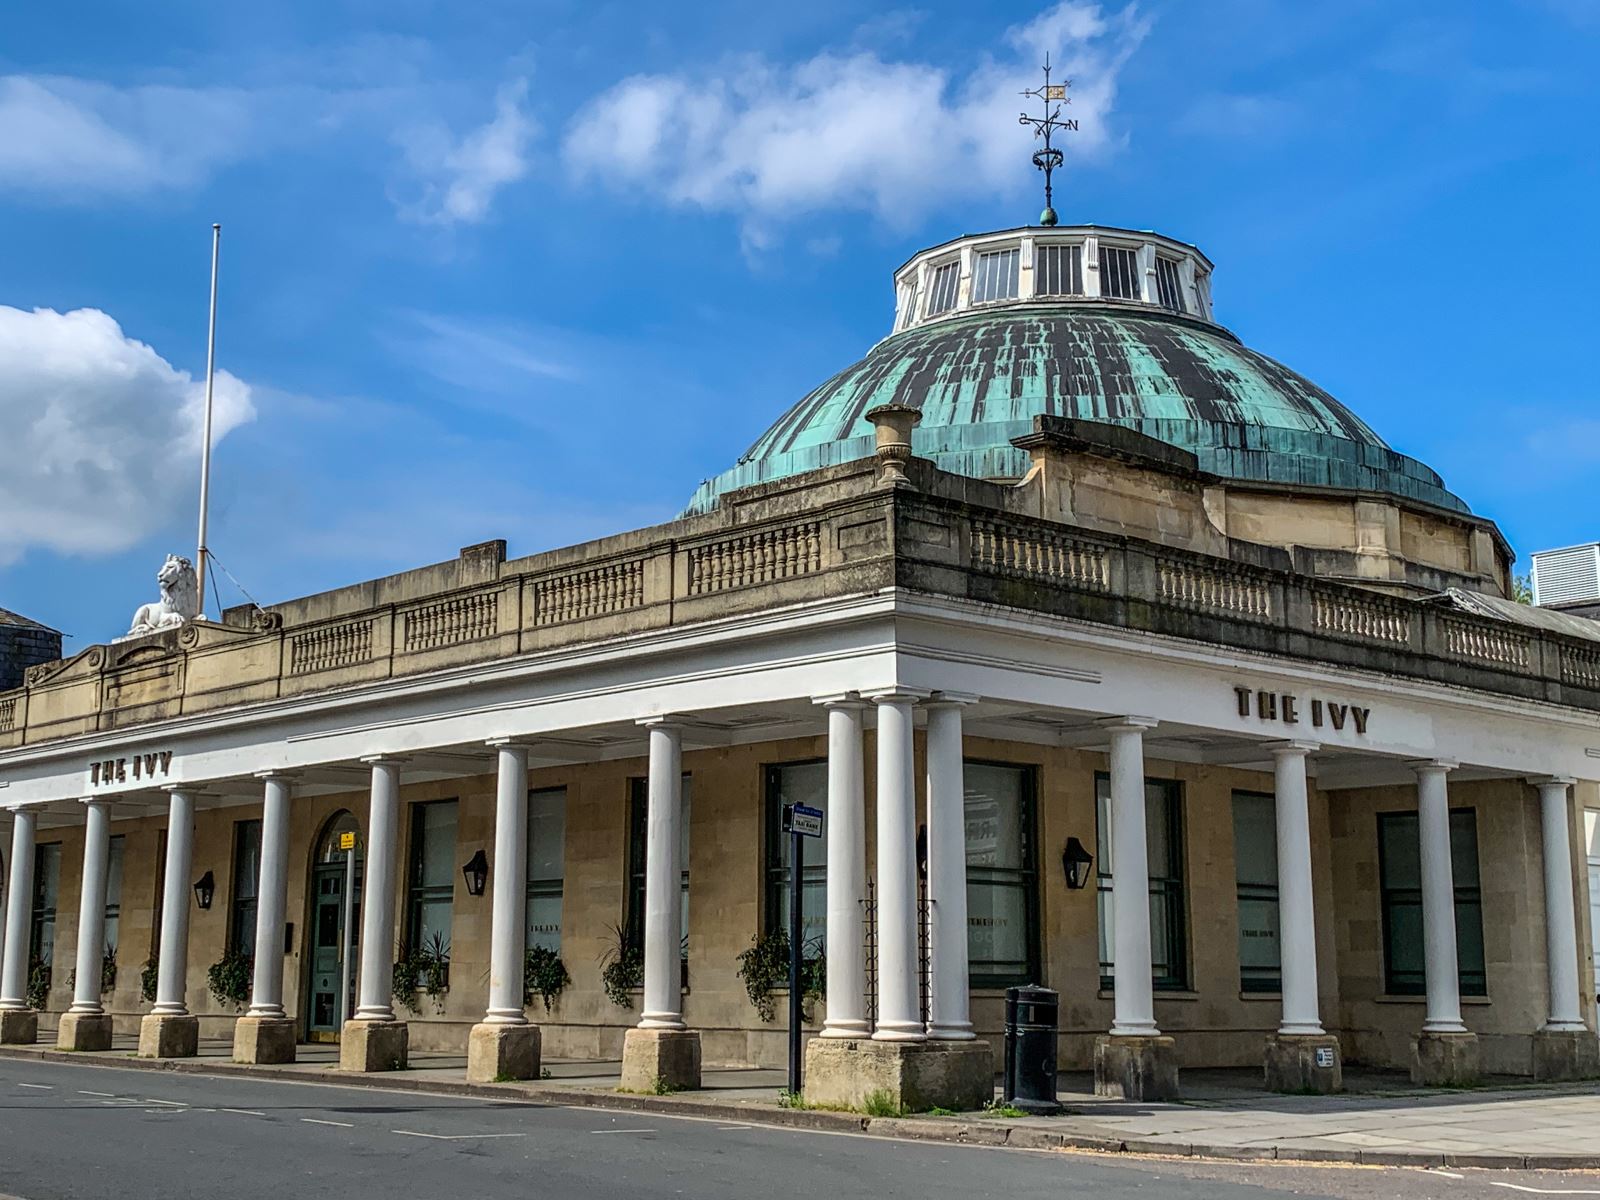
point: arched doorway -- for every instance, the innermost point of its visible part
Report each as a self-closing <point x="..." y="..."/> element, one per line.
<point x="335" y="927"/>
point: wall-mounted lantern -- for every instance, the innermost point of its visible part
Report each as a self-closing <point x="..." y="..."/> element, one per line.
<point x="1075" y="864"/>
<point x="205" y="890"/>
<point x="476" y="872"/>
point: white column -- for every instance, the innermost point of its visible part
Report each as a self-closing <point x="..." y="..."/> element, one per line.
<point x="1130" y="882"/>
<point x="92" y="908"/>
<point x="508" y="936"/>
<point x="375" y="987"/>
<point x="1438" y="900"/>
<point x="19" y="913"/>
<point x="272" y="898"/>
<point x="172" y="960"/>
<point x="899" y="974"/>
<point x="6" y="831"/>
<point x="949" y="1018"/>
<point x="1297" y="927"/>
<point x="847" y="872"/>
<point x="1560" y="919"/>
<point x="663" y="961"/>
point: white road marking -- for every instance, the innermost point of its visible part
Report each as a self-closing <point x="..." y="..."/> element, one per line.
<point x="730" y="1128"/>
<point x="1517" y="1187"/>
<point x="43" y="1087"/>
<point x="455" y="1137"/>
<point x="340" y="1124"/>
<point x="624" y="1131"/>
<point x="170" y="1103"/>
<point x="107" y="1095"/>
<point x="243" y="1112"/>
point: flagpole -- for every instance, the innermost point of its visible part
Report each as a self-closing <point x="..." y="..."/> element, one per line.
<point x="205" y="445"/>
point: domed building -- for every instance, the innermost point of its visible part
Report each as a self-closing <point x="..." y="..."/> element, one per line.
<point x="1061" y="640"/>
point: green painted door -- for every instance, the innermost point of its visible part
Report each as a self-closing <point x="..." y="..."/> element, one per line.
<point x="327" y="924"/>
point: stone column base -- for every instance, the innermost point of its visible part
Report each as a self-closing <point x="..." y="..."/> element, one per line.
<point x="499" y="1053"/>
<point x="1136" y="1068"/>
<point x="162" y="1036"/>
<point x="660" y="1060"/>
<point x="1303" y="1062"/>
<point x="901" y="1076"/>
<point x="1561" y="1055"/>
<point x="84" y="1031"/>
<point x="1444" y="1059"/>
<point x="263" y="1040"/>
<point x="18" y="1027"/>
<point x="374" y="1046"/>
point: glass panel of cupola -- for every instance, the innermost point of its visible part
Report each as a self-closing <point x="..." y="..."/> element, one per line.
<point x="1119" y="273"/>
<point x="942" y="292"/>
<point x="1058" y="270"/>
<point x="994" y="276"/>
<point x="1169" y="290"/>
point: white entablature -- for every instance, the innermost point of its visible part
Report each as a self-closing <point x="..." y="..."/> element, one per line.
<point x="1089" y="264"/>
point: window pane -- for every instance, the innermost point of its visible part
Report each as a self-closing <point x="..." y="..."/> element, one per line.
<point x="437" y="857"/>
<point x="246" y="878"/>
<point x="1463" y="849"/>
<point x="547" y="834"/>
<point x="544" y="921"/>
<point x="1255" y="839"/>
<point x="1401" y="856"/>
<point x="942" y="292"/>
<point x="1255" y="856"/>
<point x="1168" y="897"/>
<point x="797" y="783"/>
<point x="1058" y="271"/>
<point x="994" y="276"/>
<point x="1400" y="873"/>
<point x="46" y="890"/>
<point x="1002" y="921"/>
<point x="114" y="892"/>
<point x="1119" y="273"/>
<point x="1168" y="284"/>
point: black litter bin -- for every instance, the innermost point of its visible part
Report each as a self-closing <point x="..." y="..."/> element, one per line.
<point x="1030" y="1053"/>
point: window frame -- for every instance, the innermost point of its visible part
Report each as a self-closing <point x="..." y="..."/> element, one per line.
<point x="1134" y="273"/>
<point x="1473" y="984"/>
<point x="1068" y="262"/>
<point x="949" y="269"/>
<point x="983" y="279"/>
<point x="418" y="894"/>
<point x="1028" y="876"/>
<point x="1180" y="975"/>
<point x="775" y="868"/>
<point x="43" y="914"/>
<point x="547" y="887"/>
<point x="1172" y="278"/>
<point x="1264" y="984"/>
<point x="116" y="866"/>
<point x="638" y="816"/>
<point x="244" y="890"/>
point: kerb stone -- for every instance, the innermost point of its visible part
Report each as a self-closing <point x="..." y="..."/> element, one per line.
<point x="909" y="1076"/>
<point x="501" y="1052"/>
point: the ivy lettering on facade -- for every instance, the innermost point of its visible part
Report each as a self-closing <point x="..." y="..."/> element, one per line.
<point x="104" y="772"/>
<point x="1292" y="710"/>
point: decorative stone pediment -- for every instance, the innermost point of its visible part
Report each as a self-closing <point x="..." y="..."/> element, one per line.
<point x="83" y="665"/>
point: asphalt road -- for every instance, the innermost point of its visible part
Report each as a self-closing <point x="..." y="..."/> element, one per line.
<point x="92" y="1132"/>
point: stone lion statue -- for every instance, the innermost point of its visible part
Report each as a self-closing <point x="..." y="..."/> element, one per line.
<point x="179" y="603"/>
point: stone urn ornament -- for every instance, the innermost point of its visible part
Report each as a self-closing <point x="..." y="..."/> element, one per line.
<point x="179" y="603"/>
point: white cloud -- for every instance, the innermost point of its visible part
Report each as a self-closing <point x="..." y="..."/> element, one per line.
<point x="460" y="176"/>
<point x="852" y="131"/>
<point x="102" y="433"/>
<point x="70" y="137"/>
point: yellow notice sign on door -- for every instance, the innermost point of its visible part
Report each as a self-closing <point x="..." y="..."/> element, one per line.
<point x="347" y="841"/>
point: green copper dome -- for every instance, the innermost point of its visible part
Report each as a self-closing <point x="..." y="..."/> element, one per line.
<point x="981" y="376"/>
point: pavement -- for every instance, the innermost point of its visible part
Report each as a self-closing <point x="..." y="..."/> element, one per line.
<point x="91" y="1131"/>
<point x="1381" y="1120"/>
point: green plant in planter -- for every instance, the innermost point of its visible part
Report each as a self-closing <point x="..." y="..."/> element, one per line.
<point x="765" y="967"/>
<point x="621" y="968"/>
<point x="38" y="984"/>
<point x="108" y="970"/>
<point x="407" y="974"/>
<point x="423" y="971"/>
<point x="228" y="979"/>
<point x="543" y="975"/>
<point x="149" y="976"/>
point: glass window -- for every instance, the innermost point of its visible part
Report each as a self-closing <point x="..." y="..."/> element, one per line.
<point x="246" y="878"/>
<point x="797" y="783"/>
<point x="46" y="890"/>
<point x="906" y="304"/>
<point x="1169" y="288"/>
<point x="942" y="291"/>
<point x="114" y="893"/>
<point x="1058" y="270"/>
<point x="1002" y="875"/>
<point x="1163" y="814"/>
<point x="1255" y="861"/>
<point x="638" y="819"/>
<point x="1400" y="888"/>
<point x="433" y="874"/>
<point x="547" y="853"/>
<point x="1119" y="273"/>
<point x="994" y="276"/>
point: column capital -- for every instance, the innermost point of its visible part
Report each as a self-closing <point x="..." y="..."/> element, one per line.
<point x="281" y="773"/>
<point x="950" y="700"/>
<point x="91" y="801"/>
<point x="1424" y="765"/>
<point x="383" y="760"/>
<point x="1129" y="724"/>
<point x="1544" y="781"/>
<point x="896" y="695"/>
<point x="1294" y="746"/>
<point x="513" y="743"/>
<point x="194" y="791"/>
<point x="850" y="700"/>
<point x="664" y="721"/>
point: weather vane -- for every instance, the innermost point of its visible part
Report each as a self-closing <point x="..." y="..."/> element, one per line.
<point x="1052" y="96"/>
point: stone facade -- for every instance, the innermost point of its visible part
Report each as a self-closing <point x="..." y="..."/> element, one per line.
<point x="23" y="644"/>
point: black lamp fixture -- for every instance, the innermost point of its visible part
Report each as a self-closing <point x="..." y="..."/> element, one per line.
<point x="477" y="873"/>
<point x="205" y="889"/>
<point x="1075" y="864"/>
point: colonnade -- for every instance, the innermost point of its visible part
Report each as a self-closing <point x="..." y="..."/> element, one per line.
<point x="899" y="1016"/>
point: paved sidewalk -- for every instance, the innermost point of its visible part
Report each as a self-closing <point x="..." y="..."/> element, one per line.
<point x="1383" y="1121"/>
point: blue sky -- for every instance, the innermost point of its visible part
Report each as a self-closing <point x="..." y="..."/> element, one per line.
<point x="533" y="270"/>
